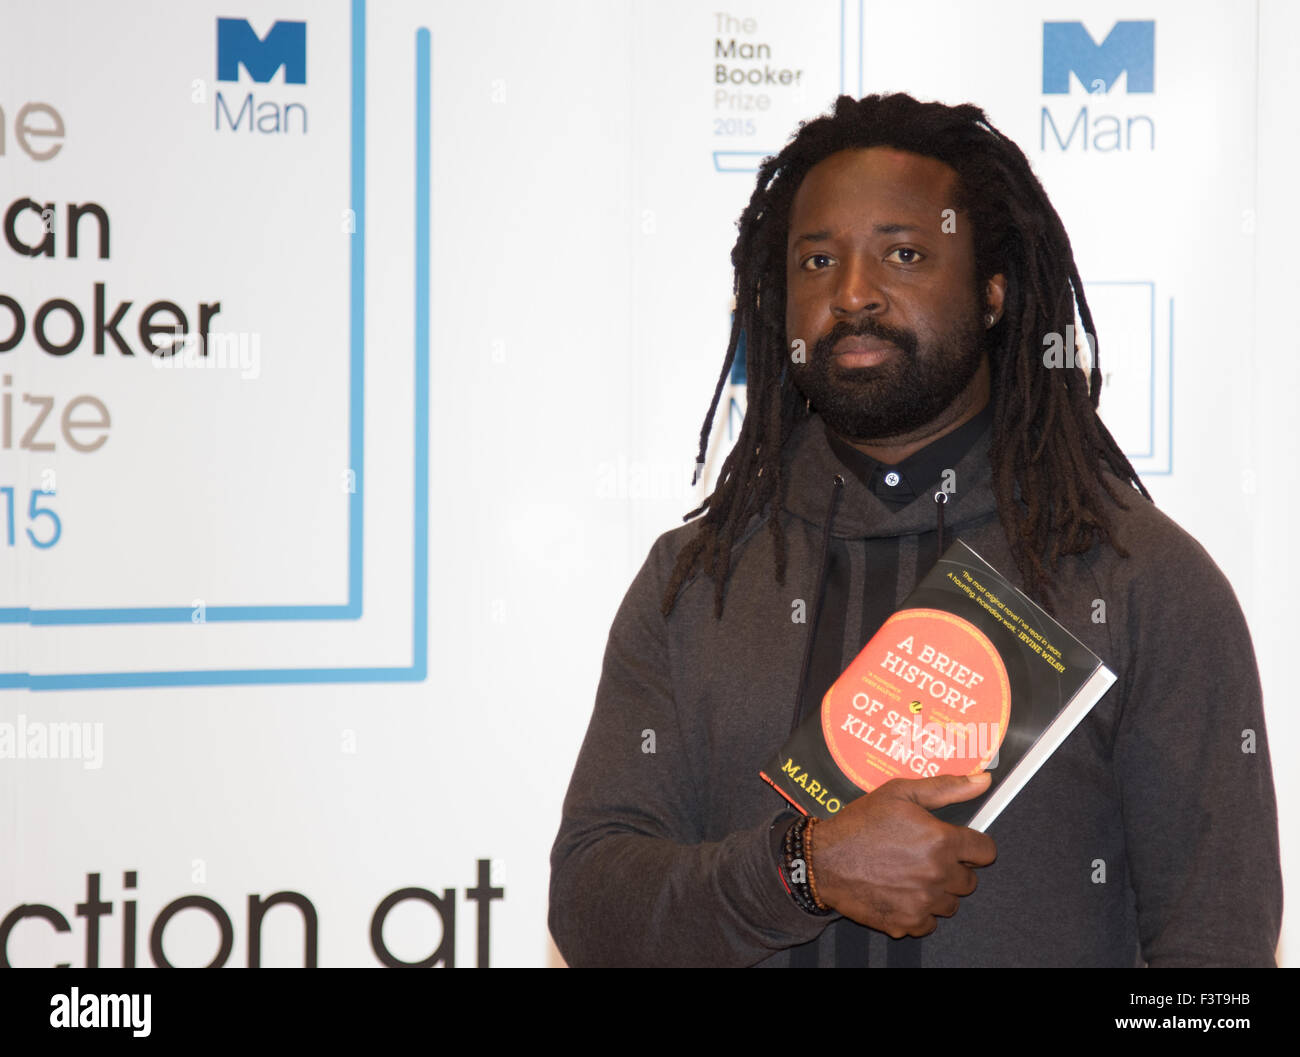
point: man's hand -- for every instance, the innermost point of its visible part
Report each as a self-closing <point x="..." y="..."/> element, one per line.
<point x="887" y="863"/>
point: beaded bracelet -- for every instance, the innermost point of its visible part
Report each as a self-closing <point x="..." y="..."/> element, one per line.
<point x="812" y="881"/>
<point x="798" y="850"/>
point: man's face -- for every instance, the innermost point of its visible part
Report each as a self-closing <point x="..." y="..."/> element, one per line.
<point x="880" y="286"/>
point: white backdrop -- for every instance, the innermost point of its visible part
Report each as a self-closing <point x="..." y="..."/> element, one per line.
<point x="322" y="612"/>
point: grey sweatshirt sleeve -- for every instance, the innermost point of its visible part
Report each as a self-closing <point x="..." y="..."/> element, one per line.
<point x="1192" y="762"/>
<point x="632" y="883"/>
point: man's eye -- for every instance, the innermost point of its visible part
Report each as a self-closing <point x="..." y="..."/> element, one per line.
<point x="810" y="266"/>
<point x="913" y="258"/>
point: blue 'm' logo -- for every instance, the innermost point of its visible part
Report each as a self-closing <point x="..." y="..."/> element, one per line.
<point x="285" y="45"/>
<point x="1067" y="47"/>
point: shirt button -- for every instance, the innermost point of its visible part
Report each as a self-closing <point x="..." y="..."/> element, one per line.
<point x="891" y="478"/>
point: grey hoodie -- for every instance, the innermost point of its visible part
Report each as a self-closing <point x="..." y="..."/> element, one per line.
<point x="1149" y="836"/>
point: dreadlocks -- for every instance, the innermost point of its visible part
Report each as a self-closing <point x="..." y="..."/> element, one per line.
<point x="1047" y="438"/>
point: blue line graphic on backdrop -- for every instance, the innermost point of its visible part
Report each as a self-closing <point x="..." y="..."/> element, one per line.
<point x="352" y="609"/>
<point x="1167" y="391"/>
<point x="420" y="592"/>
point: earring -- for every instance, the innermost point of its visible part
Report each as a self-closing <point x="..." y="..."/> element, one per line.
<point x="990" y="319"/>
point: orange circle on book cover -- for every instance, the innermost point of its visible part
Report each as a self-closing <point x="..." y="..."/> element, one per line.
<point x="929" y="695"/>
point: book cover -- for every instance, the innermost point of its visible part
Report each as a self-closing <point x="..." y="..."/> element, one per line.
<point x="969" y="674"/>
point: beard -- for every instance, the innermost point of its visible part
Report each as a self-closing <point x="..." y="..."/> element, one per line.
<point x="897" y="397"/>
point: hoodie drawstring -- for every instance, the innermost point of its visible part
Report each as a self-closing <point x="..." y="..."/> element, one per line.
<point x="940" y="501"/>
<point x="837" y="487"/>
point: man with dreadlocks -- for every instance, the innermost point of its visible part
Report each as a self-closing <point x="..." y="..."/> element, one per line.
<point x="899" y="270"/>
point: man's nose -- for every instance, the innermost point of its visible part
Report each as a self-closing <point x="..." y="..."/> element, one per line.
<point x="859" y="289"/>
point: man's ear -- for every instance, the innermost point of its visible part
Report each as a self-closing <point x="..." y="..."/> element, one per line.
<point x="995" y="291"/>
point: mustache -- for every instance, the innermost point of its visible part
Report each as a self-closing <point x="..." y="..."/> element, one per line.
<point x="904" y="340"/>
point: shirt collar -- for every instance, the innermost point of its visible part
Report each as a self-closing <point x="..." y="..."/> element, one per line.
<point x="898" y="484"/>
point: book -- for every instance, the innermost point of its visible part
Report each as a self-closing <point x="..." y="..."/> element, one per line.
<point x="968" y="675"/>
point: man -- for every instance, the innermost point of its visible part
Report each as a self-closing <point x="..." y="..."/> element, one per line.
<point x="899" y="270"/>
